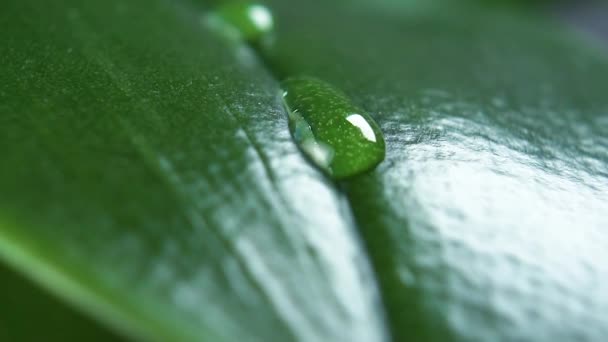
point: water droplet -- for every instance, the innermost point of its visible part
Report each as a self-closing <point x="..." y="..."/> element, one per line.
<point x="242" y="20"/>
<point x="336" y="135"/>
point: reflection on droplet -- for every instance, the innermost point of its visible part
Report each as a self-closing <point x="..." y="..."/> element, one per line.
<point x="360" y="122"/>
<point x="242" y="20"/>
<point x="318" y="152"/>
<point x="340" y="138"/>
<point x="261" y="17"/>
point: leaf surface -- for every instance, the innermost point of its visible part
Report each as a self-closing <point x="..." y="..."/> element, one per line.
<point x="148" y="177"/>
<point x="487" y="221"/>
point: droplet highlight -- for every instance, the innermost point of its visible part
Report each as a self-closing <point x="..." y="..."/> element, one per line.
<point x="242" y="20"/>
<point x="339" y="137"/>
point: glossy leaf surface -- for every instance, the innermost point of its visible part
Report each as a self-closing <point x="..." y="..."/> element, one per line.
<point x="488" y="219"/>
<point x="149" y="177"/>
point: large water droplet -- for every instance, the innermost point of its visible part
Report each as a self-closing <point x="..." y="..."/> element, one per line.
<point x="336" y="135"/>
<point x="243" y="20"/>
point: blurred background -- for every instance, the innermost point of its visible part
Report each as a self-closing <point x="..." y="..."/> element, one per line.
<point x="590" y="17"/>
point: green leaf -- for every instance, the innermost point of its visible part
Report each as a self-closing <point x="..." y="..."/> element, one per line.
<point x="28" y="314"/>
<point x="488" y="219"/>
<point x="149" y="178"/>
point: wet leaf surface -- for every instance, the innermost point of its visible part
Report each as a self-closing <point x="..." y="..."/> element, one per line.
<point x="487" y="219"/>
<point x="148" y="176"/>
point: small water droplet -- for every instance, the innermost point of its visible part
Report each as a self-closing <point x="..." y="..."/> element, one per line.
<point x="242" y="20"/>
<point x="336" y="135"/>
